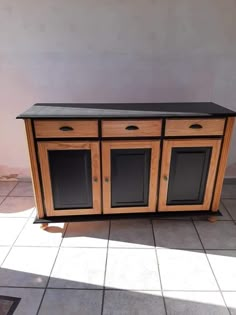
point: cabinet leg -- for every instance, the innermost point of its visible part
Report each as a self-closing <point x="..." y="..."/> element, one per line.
<point x="212" y="219"/>
<point x="44" y="226"/>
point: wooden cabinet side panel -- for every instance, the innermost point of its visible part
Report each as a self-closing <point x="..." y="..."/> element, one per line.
<point x="34" y="169"/>
<point x="223" y="163"/>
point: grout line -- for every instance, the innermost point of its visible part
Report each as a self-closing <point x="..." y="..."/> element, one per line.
<point x="16" y="181"/>
<point x="36" y="246"/>
<point x="75" y="289"/>
<point x="26" y="221"/>
<point x="129" y="248"/>
<point x="123" y="248"/>
<point x="104" y="281"/>
<point x="7" y="195"/>
<point x="158" y="268"/>
<point x="151" y="248"/>
<point x="21" y="196"/>
<point x="49" y="276"/>
<point x="211" y="268"/>
<point x="4" y="198"/>
<point x="19" y="217"/>
<point x="17" y="287"/>
<point x="12" y="189"/>
<point x="12" y="245"/>
<point x="224" y="220"/>
<point x="226" y="210"/>
<point x="111" y="289"/>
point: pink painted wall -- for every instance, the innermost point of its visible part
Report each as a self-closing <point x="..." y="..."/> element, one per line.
<point x="111" y="51"/>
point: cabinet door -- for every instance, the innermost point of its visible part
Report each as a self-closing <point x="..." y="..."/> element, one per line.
<point x="71" y="177"/>
<point x="187" y="174"/>
<point x="130" y="176"/>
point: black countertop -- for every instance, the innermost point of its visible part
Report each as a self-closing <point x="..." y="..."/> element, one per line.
<point x="125" y="110"/>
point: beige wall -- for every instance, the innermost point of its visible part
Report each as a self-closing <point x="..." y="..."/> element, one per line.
<point x="111" y="51"/>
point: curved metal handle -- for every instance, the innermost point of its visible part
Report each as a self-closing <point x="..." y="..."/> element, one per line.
<point x="165" y="178"/>
<point x="195" y="126"/>
<point x="66" y="128"/>
<point x="132" y="127"/>
<point x="106" y="179"/>
<point x="95" y="179"/>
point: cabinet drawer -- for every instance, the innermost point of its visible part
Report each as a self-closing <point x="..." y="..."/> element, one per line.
<point x="131" y="128"/>
<point x="194" y="127"/>
<point x="65" y="128"/>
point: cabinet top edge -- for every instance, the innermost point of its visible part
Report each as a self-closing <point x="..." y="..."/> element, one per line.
<point x="126" y="110"/>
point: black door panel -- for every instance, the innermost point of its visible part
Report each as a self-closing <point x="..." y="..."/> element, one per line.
<point x="188" y="175"/>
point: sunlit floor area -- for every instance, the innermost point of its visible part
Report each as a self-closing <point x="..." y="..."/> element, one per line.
<point x="122" y="267"/>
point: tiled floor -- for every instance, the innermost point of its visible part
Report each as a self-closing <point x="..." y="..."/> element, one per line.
<point x="128" y="267"/>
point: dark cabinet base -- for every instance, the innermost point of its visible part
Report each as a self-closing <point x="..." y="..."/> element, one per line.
<point x="145" y="215"/>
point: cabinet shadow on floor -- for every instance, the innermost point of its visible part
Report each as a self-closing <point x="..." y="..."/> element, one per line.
<point x="187" y="235"/>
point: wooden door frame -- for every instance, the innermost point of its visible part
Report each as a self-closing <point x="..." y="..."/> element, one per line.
<point x="215" y="144"/>
<point x="107" y="146"/>
<point x="43" y="148"/>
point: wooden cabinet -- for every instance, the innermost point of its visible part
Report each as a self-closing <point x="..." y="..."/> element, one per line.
<point x="188" y="174"/>
<point x="130" y="170"/>
<point x="71" y="177"/>
<point x="107" y="160"/>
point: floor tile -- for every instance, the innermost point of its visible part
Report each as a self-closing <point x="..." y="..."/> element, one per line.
<point x="86" y="234"/>
<point x="33" y="235"/>
<point x="3" y="253"/>
<point x="185" y="270"/>
<point x="176" y="234"/>
<point x="23" y="189"/>
<point x="10" y="229"/>
<point x="6" y="187"/>
<point x="224" y="217"/>
<point x="136" y="302"/>
<point x="71" y="302"/>
<point x="230" y="300"/>
<point x="219" y="235"/>
<point x="30" y="299"/>
<point x="228" y="191"/>
<point x="27" y="266"/>
<point x="79" y="268"/>
<point x="223" y="264"/>
<point x="195" y="303"/>
<point x="132" y="269"/>
<point x="131" y="233"/>
<point x="230" y="205"/>
<point x="17" y="207"/>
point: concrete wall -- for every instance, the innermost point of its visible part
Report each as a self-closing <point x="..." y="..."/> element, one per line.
<point x="111" y="51"/>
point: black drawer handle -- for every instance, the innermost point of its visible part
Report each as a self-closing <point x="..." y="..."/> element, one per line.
<point x="66" y="128"/>
<point x="195" y="126"/>
<point x="132" y="127"/>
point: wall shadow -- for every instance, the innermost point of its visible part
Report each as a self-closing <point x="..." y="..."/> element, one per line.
<point x="74" y="297"/>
